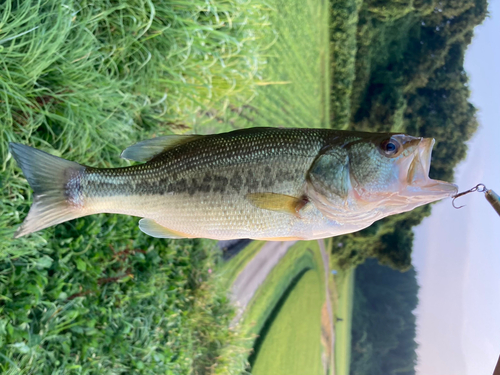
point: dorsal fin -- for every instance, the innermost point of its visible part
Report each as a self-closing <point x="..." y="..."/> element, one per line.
<point x="147" y="150"/>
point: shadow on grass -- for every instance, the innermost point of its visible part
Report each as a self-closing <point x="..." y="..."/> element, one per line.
<point x="232" y="248"/>
<point x="274" y="313"/>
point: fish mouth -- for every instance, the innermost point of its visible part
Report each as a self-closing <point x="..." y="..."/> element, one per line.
<point x="419" y="185"/>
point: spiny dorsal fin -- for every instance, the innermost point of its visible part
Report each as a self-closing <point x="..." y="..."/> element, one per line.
<point x="147" y="150"/>
<point x="277" y="202"/>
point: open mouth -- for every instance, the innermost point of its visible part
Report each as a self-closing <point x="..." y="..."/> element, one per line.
<point x="419" y="183"/>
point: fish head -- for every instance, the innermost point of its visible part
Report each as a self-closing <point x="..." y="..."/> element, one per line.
<point x="383" y="173"/>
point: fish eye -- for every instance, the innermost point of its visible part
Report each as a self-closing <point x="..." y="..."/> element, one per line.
<point x="390" y="147"/>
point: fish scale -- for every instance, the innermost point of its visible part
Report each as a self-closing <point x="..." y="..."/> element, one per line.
<point x="261" y="183"/>
<point x="160" y="189"/>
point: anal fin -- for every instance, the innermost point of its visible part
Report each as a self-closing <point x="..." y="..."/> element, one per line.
<point x="153" y="229"/>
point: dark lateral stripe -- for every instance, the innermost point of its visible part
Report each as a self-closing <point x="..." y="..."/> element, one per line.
<point x="110" y="186"/>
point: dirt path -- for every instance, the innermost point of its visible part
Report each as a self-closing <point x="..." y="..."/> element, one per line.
<point x="255" y="272"/>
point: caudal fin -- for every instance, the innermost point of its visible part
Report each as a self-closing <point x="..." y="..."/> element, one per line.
<point x="52" y="179"/>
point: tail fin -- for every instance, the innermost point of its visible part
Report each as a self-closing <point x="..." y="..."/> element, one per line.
<point x="51" y="178"/>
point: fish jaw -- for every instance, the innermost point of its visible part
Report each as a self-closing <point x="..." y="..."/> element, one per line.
<point x="420" y="188"/>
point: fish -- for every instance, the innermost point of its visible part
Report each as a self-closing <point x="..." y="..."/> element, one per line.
<point x="272" y="184"/>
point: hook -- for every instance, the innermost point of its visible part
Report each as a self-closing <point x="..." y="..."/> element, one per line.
<point x="479" y="187"/>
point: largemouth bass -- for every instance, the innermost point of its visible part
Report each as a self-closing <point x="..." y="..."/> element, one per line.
<point x="259" y="183"/>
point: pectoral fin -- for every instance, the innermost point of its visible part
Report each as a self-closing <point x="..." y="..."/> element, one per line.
<point x="277" y="202"/>
<point x="147" y="150"/>
<point x="153" y="229"/>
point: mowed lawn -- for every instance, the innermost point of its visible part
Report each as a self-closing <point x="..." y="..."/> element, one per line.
<point x="295" y="89"/>
<point x="292" y="344"/>
<point x="342" y="305"/>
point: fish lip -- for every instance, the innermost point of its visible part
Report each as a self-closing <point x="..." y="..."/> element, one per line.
<point x="436" y="188"/>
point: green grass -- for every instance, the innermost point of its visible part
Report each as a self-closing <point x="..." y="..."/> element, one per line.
<point x="292" y="344"/>
<point x="295" y="89"/>
<point x="343" y="293"/>
<point x="232" y="268"/>
<point x="84" y="80"/>
<point x="343" y="49"/>
<point x="300" y="257"/>
<point x="140" y="306"/>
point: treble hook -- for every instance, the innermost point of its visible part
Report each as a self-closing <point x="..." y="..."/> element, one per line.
<point x="479" y="187"/>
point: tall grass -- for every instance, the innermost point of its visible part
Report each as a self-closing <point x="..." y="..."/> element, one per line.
<point x="86" y="79"/>
<point x="83" y="80"/>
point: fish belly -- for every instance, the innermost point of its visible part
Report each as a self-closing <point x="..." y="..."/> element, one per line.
<point x="211" y="203"/>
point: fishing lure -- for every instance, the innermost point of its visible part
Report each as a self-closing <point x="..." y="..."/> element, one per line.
<point x="489" y="194"/>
